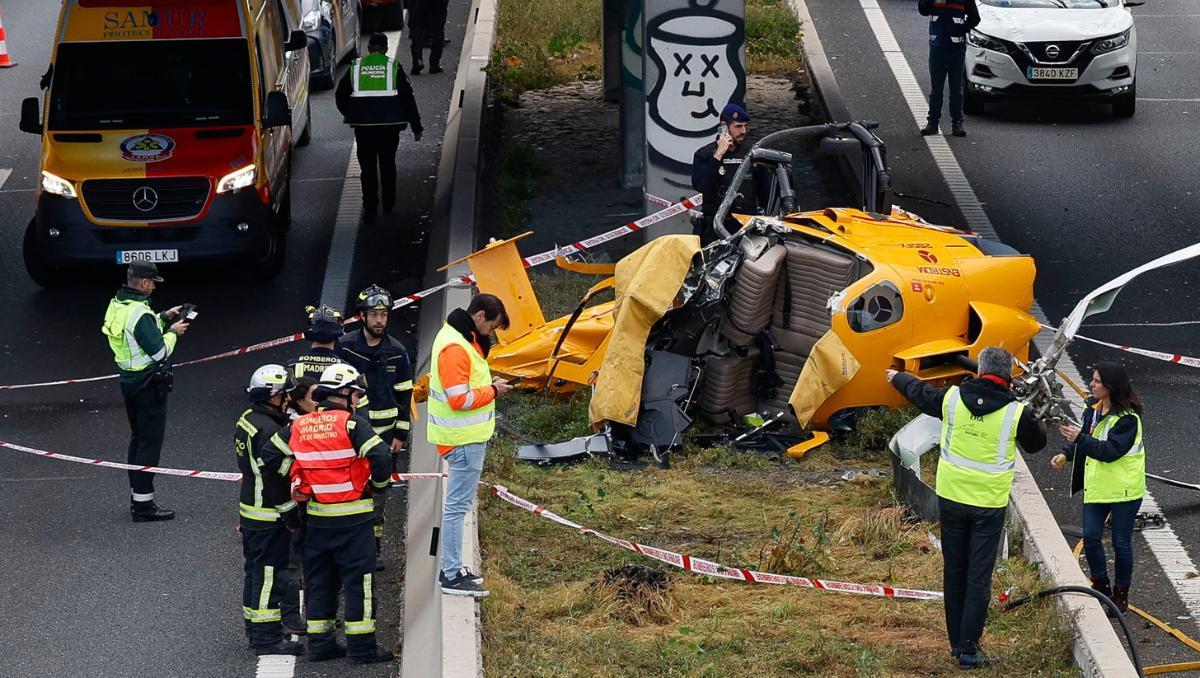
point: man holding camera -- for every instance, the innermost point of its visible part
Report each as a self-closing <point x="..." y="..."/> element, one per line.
<point x="142" y="343"/>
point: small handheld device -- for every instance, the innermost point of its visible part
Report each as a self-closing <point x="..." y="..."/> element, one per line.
<point x="188" y="313"/>
<point x="514" y="381"/>
<point x="722" y="130"/>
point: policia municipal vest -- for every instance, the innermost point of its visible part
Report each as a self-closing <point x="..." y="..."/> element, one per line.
<point x="374" y="96"/>
<point x="120" y="323"/>
<point x="978" y="454"/>
<point x="1115" y="481"/>
<point x="448" y="426"/>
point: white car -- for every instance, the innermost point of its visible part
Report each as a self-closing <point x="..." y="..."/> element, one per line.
<point x="1069" y="49"/>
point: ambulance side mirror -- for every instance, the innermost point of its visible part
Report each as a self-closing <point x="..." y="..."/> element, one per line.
<point x="31" y="116"/>
<point x="296" y="40"/>
<point x="277" y="112"/>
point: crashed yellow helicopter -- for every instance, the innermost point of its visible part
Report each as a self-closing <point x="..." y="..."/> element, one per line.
<point x="792" y="318"/>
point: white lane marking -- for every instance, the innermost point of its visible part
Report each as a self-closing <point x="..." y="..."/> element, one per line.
<point x="276" y="666"/>
<point x="1187" y="101"/>
<point x="43" y="480"/>
<point x="1164" y="543"/>
<point x="1175" y="324"/>
<point x="4" y="175"/>
<point x="340" y="261"/>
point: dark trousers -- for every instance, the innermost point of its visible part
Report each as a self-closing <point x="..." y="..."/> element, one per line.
<point x="270" y="593"/>
<point x="377" y="146"/>
<point x="340" y="558"/>
<point x="146" y="407"/>
<point x="429" y="30"/>
<point x="970" y="538"/>
<point x="946" y="63"/>
<point x="1123" y="516"/>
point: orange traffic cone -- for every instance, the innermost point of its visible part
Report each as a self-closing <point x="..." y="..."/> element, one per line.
<point x="5" y="62"/>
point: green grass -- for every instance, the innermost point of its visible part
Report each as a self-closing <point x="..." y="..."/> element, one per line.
<point x="772" y="38"/>
<point x="554" y="611"/>
<point x="542" y="43"/>
<point x="517" y="175"/>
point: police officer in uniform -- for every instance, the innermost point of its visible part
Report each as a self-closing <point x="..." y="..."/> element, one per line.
<point x="385" y="364"/>
<point x="982" y="425"/>
<point x="323" y="331"/>
<point x="269" y="592"/>
<point x="427" y="22"/>
<point x="142" y="343"/>
<point x="336" y="464"/>
<point x="374" y="98"/>
<point x="713" y="167"/>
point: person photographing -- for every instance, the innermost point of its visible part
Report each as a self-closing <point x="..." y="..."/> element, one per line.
<point x="462" y="418"/>
<point x="983" y="424"/>
<point x="1109" y="464"/>
<point x="142" y="343"/>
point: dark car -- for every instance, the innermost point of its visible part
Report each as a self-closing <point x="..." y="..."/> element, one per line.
<point x="333" y="28"/>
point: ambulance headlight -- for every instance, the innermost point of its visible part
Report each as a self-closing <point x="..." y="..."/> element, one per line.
<point x="55" y="184"/>
<point x="237" y="180"/>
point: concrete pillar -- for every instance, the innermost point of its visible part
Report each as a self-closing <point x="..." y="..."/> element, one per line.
<point x="611" y="47"/>
<point x="633" y="102"/>
<point x="694" y="64"/>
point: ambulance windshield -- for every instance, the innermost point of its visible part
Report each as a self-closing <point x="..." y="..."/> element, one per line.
<point x="151" y="83"/>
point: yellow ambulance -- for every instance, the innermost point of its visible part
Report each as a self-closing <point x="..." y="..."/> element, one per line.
<point x="167" y="135"/>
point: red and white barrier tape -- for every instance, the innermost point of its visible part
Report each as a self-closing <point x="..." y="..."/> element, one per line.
<point x="712" y="569"/>
<point x="210" y="475"/>
<point x="663" y="202"/>
<point x="401" y="302"/>
<point x="682" y="561"/>
<point x="1176" y="358"/>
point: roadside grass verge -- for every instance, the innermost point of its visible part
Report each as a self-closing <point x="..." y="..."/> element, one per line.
<point x="563" y="604"/>
<point x="542" y="43"/>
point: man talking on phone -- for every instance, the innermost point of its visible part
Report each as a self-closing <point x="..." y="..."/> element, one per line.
<point x="713" y="168"/>
<point x="462" y="418"/>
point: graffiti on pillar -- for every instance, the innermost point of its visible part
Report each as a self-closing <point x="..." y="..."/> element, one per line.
<point x="696" y="51"/>
<point x="631" y="46"/>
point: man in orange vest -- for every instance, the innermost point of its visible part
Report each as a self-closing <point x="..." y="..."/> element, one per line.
<point x="336" y="463"/>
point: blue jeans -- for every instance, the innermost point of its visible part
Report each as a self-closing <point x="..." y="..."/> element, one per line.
<point x="1123" y="515"/>
<point x="946" y="63"/>
<point x="466" y="465"/>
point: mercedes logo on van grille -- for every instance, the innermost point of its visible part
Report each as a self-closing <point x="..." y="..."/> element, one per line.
<point x="145" y="199"/>
<point x="1052" y="51"/>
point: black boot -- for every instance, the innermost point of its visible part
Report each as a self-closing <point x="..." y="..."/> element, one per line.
<point x="1120" y="596"/>
<point x="930" y="128"/>
<point x="1100" y="585"/>
<point x="378" y="656"/>
<point x="957" y="129"/>
<point x="280" y="647"/>
<point x="325" y="653"/>
<point x="149" y="512"/>
<point x="417" y="67"/>
<point x="434" y="68"/>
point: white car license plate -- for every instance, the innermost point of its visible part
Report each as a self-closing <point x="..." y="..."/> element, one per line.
<point x="152" y="256"/>
<point x="1052" y="73"/>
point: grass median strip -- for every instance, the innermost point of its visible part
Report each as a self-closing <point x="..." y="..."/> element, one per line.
<point x="566" y="604"/>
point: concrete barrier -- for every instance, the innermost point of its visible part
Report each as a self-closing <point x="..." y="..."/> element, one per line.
<point x="442" y="633"/>
<point x="1098" y="650"/>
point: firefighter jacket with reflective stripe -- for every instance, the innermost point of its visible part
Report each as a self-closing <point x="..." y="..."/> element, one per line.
<point x="472" y="422"/>
<point x="311" y="363"/>
<point x="950" y="21"/>
<point x="375" y="91"/>
<point x="978" y="452"/>
<point x="139" y="339"/>
<point x="389" y="381"/>
<point x="1122" y="479"/>
<point x="338" y="462"/>
<point x="261" y="493"/>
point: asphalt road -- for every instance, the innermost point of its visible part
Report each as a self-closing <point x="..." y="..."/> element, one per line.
<point x="1089" y="196"/>
<point x="84" y="591"/>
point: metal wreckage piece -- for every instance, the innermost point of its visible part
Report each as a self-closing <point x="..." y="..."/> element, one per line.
<point x="784" y="327"/>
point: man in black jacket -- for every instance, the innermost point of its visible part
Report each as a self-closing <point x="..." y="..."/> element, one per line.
<point x="270" y="592"/>
<point x="323" y="331"/>
<point x="982" y="426"/>
<point x="950" y="22"/>
<point x="427" y="28"/>
<point x="713" y="167"/>
<point x="375" y="98"/>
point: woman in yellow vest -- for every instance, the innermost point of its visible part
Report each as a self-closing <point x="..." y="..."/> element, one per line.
<point x="1109" y="465"/>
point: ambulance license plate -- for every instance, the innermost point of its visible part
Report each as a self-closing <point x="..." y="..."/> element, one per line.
<point x="151" y="256"/>
<point x="1052" y="73"/>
